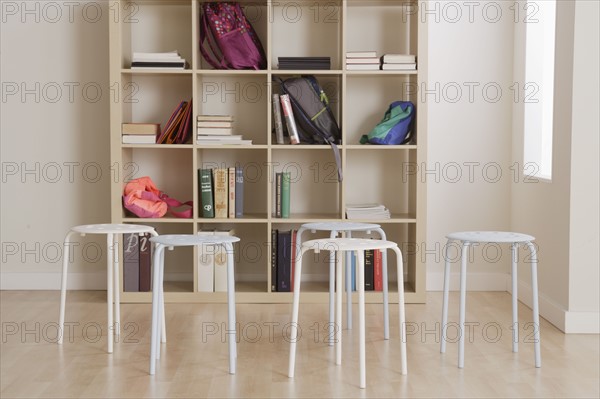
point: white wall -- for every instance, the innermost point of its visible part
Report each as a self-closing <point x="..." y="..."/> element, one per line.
<point x="58" y="134"/>
<point x="473" y="51"/>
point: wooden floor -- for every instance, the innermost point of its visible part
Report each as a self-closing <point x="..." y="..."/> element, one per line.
<point x="195" y="362"/>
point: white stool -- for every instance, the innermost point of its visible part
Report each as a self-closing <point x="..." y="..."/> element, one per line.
<point x="467" y="238"/>
<point x="186" y="240"/>
<point x="340" y="245"/>
<point x="348" y="227"/>
<point x="112" y="232"/>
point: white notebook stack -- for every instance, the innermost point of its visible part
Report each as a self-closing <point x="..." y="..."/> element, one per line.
<point x="367" y="212"/>
<point x="362" y="61"/>
<point x="217" y="130"/>
<point x="399" y="62"/>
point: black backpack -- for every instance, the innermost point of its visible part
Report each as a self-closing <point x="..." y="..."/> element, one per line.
<point x="313" y="114"/>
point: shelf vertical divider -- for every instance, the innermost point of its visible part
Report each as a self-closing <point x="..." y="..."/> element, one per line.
<point x="344" y="91"/>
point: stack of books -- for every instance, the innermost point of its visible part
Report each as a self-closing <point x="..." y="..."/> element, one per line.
<point x="373" y="270"/>
<point x="304" y="62"/>
<point x="178" y="128"/>
<point x="212" y="264"/>
<point x="399" y="62"/>
<point x="367" y="212"/>
<point x="217" y="130"/>
<point x="221" y="192"/>
<point x="140" y="133"/>
<point x="171" y="59"/>
<point x="362" y="61"/>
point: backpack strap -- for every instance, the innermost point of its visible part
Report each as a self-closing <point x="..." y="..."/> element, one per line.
<point x="338" y="161"/>
<point x="173" y="203"/>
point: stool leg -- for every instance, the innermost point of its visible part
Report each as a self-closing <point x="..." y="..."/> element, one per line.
<point x="117" y="287"/>
<point x="360" y="256"/>
<point x="63" y="286"/>
<point x="515" y="297"/>
<point x="158" y="253"/>
<point x="231" y="308"/>
<point x="445" y="300"/>
<point x="349" y="286"/>
<point x="401" y="309"/>
<point x="161" y="301"/>
<point x="163" y="323"/>
<point x="463" y="297"/>
<point x="384" y="272"/>
<point x="536" y="313"/>
<point x="109" y="289"/>
<point x="332" y="293"/>
<point x="338" y="312"/>
<point x="295" y="306"/>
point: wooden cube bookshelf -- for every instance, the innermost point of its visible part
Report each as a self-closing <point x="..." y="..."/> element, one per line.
<point x="358" y="100"/>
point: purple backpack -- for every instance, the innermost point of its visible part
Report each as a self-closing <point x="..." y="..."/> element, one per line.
<point x="232" y="41"/>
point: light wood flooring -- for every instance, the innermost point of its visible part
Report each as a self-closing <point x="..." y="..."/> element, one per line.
<point x="195" y="362"/>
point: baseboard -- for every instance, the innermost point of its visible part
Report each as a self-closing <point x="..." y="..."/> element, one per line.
<point x="569" y="322"/>
<point x="475" y="281"/>
<point x="51" y="281"/>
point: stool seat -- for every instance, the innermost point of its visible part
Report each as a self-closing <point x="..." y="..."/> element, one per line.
<point x="107" y="228"/>
<point x="347" y="244"/>
<point x="490" y="236"/>
<point x="184" y="240"/>
<point x="340" y="226"/>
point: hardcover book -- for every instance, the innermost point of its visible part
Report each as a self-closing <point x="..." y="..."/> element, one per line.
<point x="239" y="192"/>
<point x="220" y="185"/>
<point x="131" y="262"/>
<point x="206" y="192"/>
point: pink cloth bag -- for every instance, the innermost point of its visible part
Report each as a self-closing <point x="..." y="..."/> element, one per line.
<point x="142" y="198"/>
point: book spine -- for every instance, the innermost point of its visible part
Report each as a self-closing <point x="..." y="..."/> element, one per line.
<point x="378" y="273"/>
<point x="231" y="195"/>
<point x="145" y="263"/>
<point x="206" y="273"/>
<point x="293" y="253"/>
<point x="220" y="256"/>
<point x="278" y="183"/>
<point x="220" y="182"/>
<point x="131" y="262"/>
<point x="286" y="106"/>
<point x="274" y="234"/>
<point x="239" y="192"/>
<point x="369" y="269"/>
<point x="285" y="194"/>
<point x="206" y="193"/>
<point x="277" y="119"/>
<point x="284" y="245"/>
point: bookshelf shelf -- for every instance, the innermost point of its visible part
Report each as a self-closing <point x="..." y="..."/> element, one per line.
<point x="358" y="99"/>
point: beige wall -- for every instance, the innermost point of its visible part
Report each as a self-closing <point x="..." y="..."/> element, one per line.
<point x="54" y="124"/>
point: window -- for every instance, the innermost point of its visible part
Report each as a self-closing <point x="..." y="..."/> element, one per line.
<point x="539" y="88"/>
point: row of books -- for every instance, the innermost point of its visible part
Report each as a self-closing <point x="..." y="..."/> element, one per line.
<point x="370" y="61"/>
<point x="170" y="59"/>
<point x="304" y="63"/>
<point x="137" y="255"/>
<point x="221" y="192"/>
<point x="212" y="264"/>
<point x="283" y="260"/>
<point x="217" y="130"/>
<point x="284" y="257"/>
<point x="367" y="212"/>
<point x="282" y="194"/>
<point x="178" y="128"/>
<point x="282" y="109"/>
